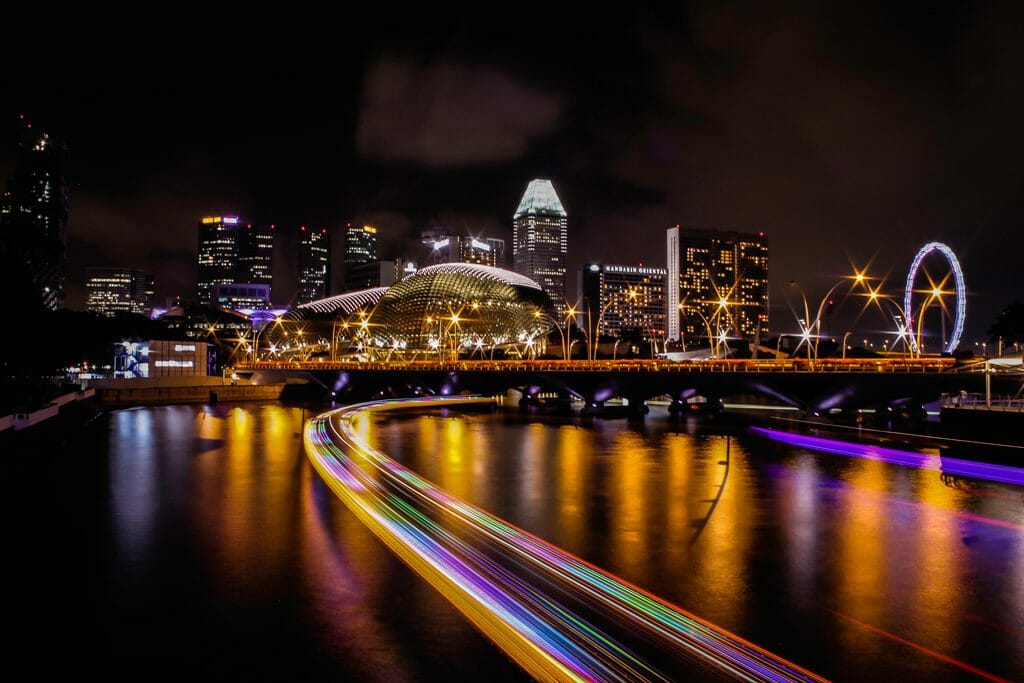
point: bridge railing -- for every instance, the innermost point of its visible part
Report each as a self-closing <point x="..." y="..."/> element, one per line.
<point x="975" y="401"/>
<point x="832" y="365"/>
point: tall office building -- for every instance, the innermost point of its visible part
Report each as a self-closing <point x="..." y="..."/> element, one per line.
<point x="497" y="251"/>
<point x="118" y="290"/>
<point x="632" y="298"/>
<point x="233" y="252"/>
<point x="706" y="267"/>
<point x="314" y="264"/>
<point x="256" y="254"/>
<point x="34" y="212"/>
<point x="540" y="239"/>
<point x="360" y="244"/>
<point x="447" y="247"/>
<point x="218" y="254"/>
<point x="360" y="250"/>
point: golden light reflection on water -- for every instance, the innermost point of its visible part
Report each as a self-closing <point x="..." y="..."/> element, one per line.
<point x="937" y="552"/>
<point x="883" y="544"/>
<point x="629" y="496"/>
<point x="861" y="586"/>
<point x="574" y="467"/>
<point x="722" y="550"/>
<point x="678" y="454"/>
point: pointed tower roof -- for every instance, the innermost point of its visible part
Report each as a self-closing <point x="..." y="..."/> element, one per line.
<point x="540" y="199"/>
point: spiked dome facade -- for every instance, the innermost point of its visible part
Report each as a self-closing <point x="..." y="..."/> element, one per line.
<point x="462" y="304"/>
<point x="454" y="306"/>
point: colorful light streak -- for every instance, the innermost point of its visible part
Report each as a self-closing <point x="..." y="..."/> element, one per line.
<point x="962" y="468"/>
<point x="539" y="632"/>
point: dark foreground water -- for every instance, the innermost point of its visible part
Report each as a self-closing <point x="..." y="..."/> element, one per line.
<point x="198" y="542"/>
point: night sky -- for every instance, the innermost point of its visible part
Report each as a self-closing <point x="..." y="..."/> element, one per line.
<point x="846" y="133"/>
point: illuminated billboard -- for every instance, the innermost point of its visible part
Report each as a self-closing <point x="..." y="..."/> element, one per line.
<point x="131" y="359"/>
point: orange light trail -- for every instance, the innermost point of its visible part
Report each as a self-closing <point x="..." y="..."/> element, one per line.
<point x="472" y="561"/>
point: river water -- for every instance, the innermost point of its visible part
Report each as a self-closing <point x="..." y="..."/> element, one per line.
<point x="198" y="541"/>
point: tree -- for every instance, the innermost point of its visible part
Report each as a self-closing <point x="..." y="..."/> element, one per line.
<point x="1009" y="324"/>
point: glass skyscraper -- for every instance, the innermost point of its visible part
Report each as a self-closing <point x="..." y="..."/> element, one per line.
<point x="314" y="264"/>
<point x="233" y="252"/>
<point x="540" y="239"/>
<point x="34" y="212"/>
<point x="118" y="290"/>
<point x="360" y="255"/>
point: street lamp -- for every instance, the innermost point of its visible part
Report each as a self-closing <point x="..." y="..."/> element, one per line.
<point x="902" y="327"/>
<point x="812" y="328"/>
<point x="538" y="315"/>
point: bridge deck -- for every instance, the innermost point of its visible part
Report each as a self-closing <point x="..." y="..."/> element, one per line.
<point x="854" y="365"/>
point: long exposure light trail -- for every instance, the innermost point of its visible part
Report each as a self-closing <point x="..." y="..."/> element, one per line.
<point x="476" y="570"/>
<point x="962" y="468"/>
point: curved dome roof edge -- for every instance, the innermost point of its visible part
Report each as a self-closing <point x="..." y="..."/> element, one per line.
<point x="501" y="275"/>
<point x="347" y="301"/>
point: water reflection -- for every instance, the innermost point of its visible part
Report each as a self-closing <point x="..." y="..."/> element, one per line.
<point x="865" y="562"/>
<point x="224" y="539"/>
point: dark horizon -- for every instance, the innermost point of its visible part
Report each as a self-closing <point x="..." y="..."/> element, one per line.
<point x="846" y="134"/>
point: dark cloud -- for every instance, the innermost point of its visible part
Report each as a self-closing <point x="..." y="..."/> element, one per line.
<point x="450" y="114"/>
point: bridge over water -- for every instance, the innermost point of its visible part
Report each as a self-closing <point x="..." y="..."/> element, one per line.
<point x="810" y="385"/>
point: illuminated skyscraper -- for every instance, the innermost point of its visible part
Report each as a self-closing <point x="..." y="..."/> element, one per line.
<point x="34" y="212"/>
<point x="218" y="254"/>
<point x="360" y="249"/>
<point x="497" y="251"/>
<point x="233" y="252"/>
<point x="360" y="244"/>
<point x="716" y="279"/>
<point x="118" y="290"/>
<point x="447" y="247"/>
<point x="632" y="298"/>
<point x="540" y="239"/>
<point x="256" y="254"/>
<point x="314" y="264"/>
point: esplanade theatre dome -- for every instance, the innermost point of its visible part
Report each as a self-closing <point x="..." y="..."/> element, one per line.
<point x="462" y="304"/>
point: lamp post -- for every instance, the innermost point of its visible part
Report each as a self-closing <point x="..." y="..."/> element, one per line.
<point x="538" y="315"/>
<point x="935" y="294"/>
<point x="902" y="328"/>
<point x="845" y="335"/>
<point x="812" y="327"/>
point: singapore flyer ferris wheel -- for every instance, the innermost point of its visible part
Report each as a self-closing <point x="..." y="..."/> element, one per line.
<point x="934" y="294"/>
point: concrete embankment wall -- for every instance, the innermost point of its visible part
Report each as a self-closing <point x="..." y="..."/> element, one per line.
<point x="205" y="393"/>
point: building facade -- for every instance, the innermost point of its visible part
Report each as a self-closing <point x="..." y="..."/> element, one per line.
<point x="314" y="264"/>
<point x="118" y="290"/>
<point x="447" y="247"/>
<point x="624" y="301"/>
<point x="242" y="296"/>
<point x="360" y="249"/>
<point x="256" y="254"/>
<point x="716" y="281"/>
<point x="218" y="255"/>
<point x="159" y="358"/>
<point x="34" y="212"/>
<point x="540" y="239"/>
<point x="233" y="252"/>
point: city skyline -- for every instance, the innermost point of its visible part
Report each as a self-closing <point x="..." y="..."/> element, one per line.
<point x="851" y="134"/>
